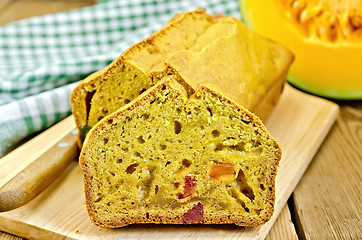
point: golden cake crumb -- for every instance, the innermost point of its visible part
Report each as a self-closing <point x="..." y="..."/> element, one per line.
<point x="170" y="158"/>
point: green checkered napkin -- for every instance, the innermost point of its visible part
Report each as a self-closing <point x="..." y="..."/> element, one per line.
<point x="43" y="58"/>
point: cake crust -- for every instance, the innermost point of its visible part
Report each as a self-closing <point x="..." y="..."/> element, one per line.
<point x="190" y="47"/>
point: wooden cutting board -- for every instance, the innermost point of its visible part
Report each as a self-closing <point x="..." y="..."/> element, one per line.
<point x="299" y="123"/>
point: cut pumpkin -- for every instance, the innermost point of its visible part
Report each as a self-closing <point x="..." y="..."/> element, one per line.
<point x="325" y="36"/>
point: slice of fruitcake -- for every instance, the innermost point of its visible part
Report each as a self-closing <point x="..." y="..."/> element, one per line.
<point x="170" y="158"/>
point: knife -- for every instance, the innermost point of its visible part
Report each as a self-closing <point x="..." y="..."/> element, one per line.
<point x="42" y="171"/>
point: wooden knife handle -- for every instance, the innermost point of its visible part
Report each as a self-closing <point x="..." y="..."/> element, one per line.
<point x="39" y="174"/>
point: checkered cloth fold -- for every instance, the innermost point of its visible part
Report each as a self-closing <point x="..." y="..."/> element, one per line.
<point x="43" y="58"/>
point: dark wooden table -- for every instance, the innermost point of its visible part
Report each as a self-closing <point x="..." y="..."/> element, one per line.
<point x="326" y="203"/>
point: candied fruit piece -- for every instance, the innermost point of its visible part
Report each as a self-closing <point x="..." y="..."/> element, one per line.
<point x="217" y="16"/>
<point x="219" y="170"/>
<point x="194" y="215"/>
<point x="189" y="187"/>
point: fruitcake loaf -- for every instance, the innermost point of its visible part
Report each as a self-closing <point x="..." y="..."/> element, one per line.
<point x="169" y="158"/>
<point x="195" y="48"/>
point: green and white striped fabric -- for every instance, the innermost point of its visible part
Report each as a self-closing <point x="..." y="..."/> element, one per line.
<point x="43" y="58"/>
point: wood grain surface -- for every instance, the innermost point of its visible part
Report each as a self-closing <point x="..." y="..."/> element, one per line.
<point x="13" y="10"/>
<point x="6" y="236"/>
<point x="328" y="200"/>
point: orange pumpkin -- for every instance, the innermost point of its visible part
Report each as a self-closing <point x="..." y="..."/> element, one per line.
<point x="325" y="36"/>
